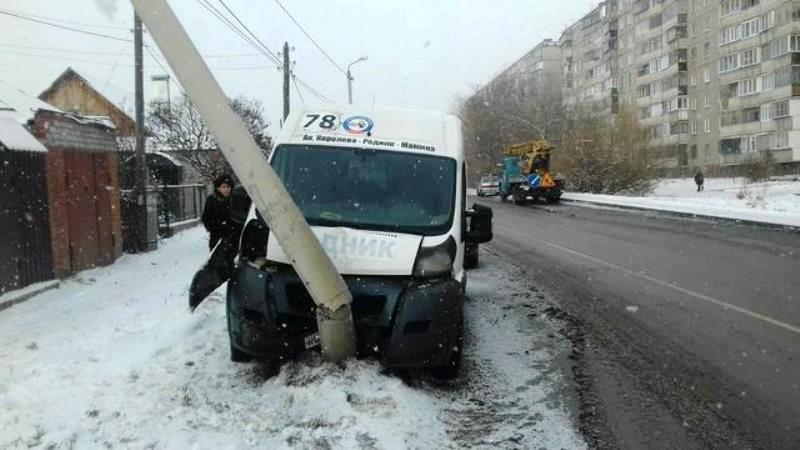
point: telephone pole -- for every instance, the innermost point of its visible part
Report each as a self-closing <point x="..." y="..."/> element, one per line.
<point x="287" y="73"/>
<point x="140" y="165"/>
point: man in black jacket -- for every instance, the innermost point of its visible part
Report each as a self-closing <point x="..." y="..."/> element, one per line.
<point x="699" y="179"/>
<point x="217" y="212"/>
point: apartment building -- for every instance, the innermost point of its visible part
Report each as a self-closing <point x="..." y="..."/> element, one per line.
<point x="655" y="73"/>
<point x="589" y="61"/>
<point x="759" y="77"/>
<point x="535" y="74"/>
<point x="715" y="82"/>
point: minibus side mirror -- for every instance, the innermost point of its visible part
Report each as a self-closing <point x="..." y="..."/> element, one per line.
<point x="479" y="224"/>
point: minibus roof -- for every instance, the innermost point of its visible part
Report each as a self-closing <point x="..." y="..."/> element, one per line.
<point x="377" y="127"/>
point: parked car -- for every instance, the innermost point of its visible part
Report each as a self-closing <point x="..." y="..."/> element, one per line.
<point x="489" y="185"/>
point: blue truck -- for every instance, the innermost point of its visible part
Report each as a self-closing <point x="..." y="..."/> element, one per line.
<point x="526" y="174"/>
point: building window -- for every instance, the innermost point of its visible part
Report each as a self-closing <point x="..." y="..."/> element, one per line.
<point x="731" y="146"/>
<point x="694" y="127"/>
<point x="728" y="7"/>
<point x="778" y="47"/>
<point x="679" y="104"/>
<point x="728" y="35"/>
<point x="746" y="87"/>
<point x="767" y="82"/>
<point x="706" y="102"/>
<point x="751" y="56"/>
<point x="781" y="109"/>
<point x="750" y="28"/>
<point x="765" y="113"/>
<point x="729" y="63"/>
<point x="767" y="20"/>
<point x="794" y="43"/>
<point x="706" y="75"/>
<point x="782" y="139"/>
<point x="749" y="144"/>
<point x="707" y="126"/>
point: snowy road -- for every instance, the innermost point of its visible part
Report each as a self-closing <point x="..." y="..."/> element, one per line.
<point x="113" y="359"/>
<point x="692" y="327"/>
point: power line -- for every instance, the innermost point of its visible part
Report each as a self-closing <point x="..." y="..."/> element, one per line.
<point x="62" y="50"/>
<point x="227" y="22"/>
<point x="299" y="94"/>
<point x="274" y="57"/>
<point x="109" y="63"/>
<point x="54" y="19"/>
<point x="310" y="38"/>
<point x="87" y="52"/>
<point x="260" y="48"/>
<point x="306" y="85"/>
<point x="63" y="27"/>
<point x="313" y="91"/>
<point x="62" y="58"/>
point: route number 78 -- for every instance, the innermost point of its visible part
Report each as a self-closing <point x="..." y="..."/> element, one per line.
<point x="326" y="122"/>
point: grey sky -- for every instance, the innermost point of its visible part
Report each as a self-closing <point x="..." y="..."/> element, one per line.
<point x="422" y="53"/>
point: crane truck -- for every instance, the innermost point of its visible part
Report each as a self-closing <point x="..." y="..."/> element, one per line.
<point x="526" y="174"/>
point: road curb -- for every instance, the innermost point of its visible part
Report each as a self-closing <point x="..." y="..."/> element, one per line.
<point x="729" y="220"/>
<point x="15" y="297"/>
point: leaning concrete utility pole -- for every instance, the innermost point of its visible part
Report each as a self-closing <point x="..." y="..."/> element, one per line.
<point x="285" y="220"/>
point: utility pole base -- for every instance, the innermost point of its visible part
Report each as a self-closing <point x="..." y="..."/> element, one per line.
<point x="336" y="333"/>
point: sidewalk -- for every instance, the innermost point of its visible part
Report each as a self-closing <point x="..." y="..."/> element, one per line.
<point x="773" y="202"/>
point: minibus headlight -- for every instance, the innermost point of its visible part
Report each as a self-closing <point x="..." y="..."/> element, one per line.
<point x="435" y="261"/>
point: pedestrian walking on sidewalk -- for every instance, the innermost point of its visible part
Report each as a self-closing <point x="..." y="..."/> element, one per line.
<point x="699" y="180"/>
<point x="217" y="211"/>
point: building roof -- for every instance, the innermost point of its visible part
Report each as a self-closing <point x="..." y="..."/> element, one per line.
<point x="71" y="74"/>
<point x="14" y="136"/>
<point x="23" y="104"/>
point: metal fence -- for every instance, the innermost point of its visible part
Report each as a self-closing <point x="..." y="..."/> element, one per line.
<point x="25" y="251"/>
<point x="179" y="203"/>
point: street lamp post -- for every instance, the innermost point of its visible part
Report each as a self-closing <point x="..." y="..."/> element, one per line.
<point x="350" y="79"/>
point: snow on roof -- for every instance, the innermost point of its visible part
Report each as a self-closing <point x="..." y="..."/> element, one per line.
<point x="14" y="136"/>
<point x="169" y="158"/>
<point x="23" y="104"/>
<point x="103" y="121"/>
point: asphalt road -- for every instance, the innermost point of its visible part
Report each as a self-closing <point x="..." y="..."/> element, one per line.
<point x="688" y="332"/>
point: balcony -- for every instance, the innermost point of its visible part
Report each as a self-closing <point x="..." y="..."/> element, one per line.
<point x="678" y="116"/>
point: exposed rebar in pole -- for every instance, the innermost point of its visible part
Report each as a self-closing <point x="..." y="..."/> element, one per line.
<point x="287" y="224"/>
<point x="140" y="165"/>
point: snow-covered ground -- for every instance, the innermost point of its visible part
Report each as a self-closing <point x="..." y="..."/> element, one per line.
<point x="114" y="359"/>
<point x="775" y="202"/>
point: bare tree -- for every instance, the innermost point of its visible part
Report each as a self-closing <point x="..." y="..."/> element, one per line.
<point x="501" y="115"/>
<point x="607" y="156"/>
<point x="178" y="127"/>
